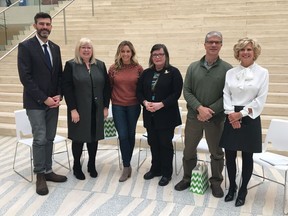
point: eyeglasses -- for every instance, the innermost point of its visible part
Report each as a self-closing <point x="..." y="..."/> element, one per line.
<point x="158" y="55"/>
<point x="212" y="42"/>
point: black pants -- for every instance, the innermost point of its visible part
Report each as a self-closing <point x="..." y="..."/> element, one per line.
<point x="247" y="168"/>
<point x="160" y="142"/>
<point x="77" y="148"/>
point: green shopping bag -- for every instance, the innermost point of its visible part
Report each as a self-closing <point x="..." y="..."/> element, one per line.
<point x="199" y="179"/>
<point x="109" y="128"/>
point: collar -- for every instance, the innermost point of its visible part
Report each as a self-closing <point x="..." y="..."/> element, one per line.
<point x="41" y="42"/>
<point x="244" y="74"/>
<point x="203" y="60"/>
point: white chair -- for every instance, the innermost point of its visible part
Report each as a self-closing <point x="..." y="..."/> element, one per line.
<point x="177" y="137"/>
<point x="110" y="133"/>
<point x="277" y="136"/>
<point x="24" y="134"/>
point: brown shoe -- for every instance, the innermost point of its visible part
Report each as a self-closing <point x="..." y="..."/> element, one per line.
<point x="41" y="186"/>
<point x="55" y="178"/>
<point x="182" y="185"/>
<point x="217" y="191"/>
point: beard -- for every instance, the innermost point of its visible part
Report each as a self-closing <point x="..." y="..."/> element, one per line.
<point x="44" y="33"/>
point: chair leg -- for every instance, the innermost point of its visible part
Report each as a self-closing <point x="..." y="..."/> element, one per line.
<point x="69" y="166"/>
<point x="272" y="180"/>
<point x="285" y="194"/>
<point x="66" y="143"/>
<point x="31" y="165"/>
<point x="262" y="177"/>
<point x="238" y="168"/>
<point x="177" y="170"/>
<point x="175" y="157"/>
<point x="225" y="175"/>
<point x="15" y="154"/>
<point x="139" y="155"/>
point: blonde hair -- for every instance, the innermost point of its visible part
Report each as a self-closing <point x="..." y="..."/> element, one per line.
<point x="243" y="42"/>
<point x="118" y="60"/>
<point x="82" y="42"/>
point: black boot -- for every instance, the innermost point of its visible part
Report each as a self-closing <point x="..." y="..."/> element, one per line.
<point x="92" y="169"/>
<point x="77" y="171"/>
<point x="92" y="150"/>
<point x="77" y="149"/>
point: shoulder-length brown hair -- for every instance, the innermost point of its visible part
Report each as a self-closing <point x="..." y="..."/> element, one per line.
<point x="158" y="47"/>
<point x="118" y="60"/>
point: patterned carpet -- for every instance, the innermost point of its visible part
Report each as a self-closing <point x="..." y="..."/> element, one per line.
<point x="106" y="196"/>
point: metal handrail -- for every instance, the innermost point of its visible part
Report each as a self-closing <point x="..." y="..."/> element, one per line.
<point x="10" y="6"/>
<point x="65" y="30"/>
<point x="92" y="7"/>
<point x="4" y="18"/>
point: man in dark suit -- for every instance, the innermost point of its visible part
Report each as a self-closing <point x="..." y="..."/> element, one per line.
<point x="40" y="71"/>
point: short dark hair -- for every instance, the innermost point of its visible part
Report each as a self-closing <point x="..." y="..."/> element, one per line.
<point x="158" y="47"/>
<point x="41" y="15"/>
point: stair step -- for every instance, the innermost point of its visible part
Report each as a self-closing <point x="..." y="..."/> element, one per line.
<point x="172" y="23"/>
<point x="11" y="88"/>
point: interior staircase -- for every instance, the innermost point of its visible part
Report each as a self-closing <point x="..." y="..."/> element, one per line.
<point x="181" y="25"/>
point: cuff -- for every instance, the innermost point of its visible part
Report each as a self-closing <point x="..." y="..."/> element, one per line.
<point x="244" y="113"/>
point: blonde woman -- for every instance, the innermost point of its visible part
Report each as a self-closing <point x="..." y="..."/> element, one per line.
<point x="124" y="74"/>
<point x="245" y="93"/>
<point x="86" y="90"/>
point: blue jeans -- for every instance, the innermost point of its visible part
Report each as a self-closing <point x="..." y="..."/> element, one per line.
<point x="44" y="125"/>
<point x="125" y="119"/>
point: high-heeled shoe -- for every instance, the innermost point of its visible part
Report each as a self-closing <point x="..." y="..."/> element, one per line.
<point x="240" y="201"/>
<point x="230" y="195"/>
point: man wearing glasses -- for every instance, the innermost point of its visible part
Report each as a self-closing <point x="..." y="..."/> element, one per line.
<point x="203" y="92"/>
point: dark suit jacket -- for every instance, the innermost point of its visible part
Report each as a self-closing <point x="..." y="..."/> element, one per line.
<point x="167" y="90"/>
<point x="38" y="81"/>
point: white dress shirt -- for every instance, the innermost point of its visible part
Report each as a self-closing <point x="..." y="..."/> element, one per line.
<point x="48" y="48"/>
<point x="246" y="87"/>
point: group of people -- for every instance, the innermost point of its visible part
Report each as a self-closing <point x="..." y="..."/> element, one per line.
<point x="223" y="102"/>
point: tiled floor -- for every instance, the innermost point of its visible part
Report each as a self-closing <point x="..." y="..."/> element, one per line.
<point x="106" y="196"/>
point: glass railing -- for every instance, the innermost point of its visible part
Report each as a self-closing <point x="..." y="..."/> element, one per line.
<point x="18" y="16"/>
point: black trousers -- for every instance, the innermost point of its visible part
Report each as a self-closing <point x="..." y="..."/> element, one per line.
<point x="247" y="168"/>
<point x="160" y="142"/>
<point x="77" y="148"/>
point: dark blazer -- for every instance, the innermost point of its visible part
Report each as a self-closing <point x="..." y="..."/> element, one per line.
<point x="168" y="90"/>
<point x="38" y="81"/>
<point x="77" y="85"/>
